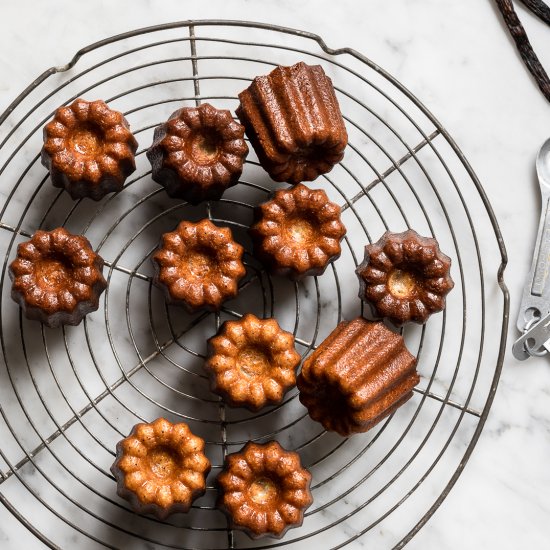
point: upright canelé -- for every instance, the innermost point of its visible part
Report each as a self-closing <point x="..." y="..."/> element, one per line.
<point x="297" y="232"/>
<point x="198" y="153"/>
<point x="294" y="123"/>
<point x="160" y="468"/>
<point x="264" y="490"/>
<point x="57" y="277"/>
<point x="405" y="277"/>
<point x="198" y="265"/>
<point x="88" y="149"/>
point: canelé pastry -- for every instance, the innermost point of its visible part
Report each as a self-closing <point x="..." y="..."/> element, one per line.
<point x="160" y="468"/>
<point x="298" y="232"/>
<point x="264" y="490"/>
<point x="57" y="277"/>
<point x="294" y="123"/>
<point x="359" y="375"/>
<point x="199" y="265"/>
<point x="405" y="277"/>
<point x="88" y="149"/>
<point x="198" y="153"/>
<point x="252" y="362"/>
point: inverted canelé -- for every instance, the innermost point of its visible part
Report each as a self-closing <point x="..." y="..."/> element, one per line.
<point x="294" y="123"/>
<point x="358" y="376"/>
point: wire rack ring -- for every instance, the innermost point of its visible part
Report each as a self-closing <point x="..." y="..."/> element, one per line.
<point x="69" y="395"/>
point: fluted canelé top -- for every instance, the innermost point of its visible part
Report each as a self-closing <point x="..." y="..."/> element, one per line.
<point x="199" y="265"/>
<point x="88" y="149"/>
<point x="57" y="277"/>
<point x="297" y="232"/>
<point x="252" y="362"/>
<point x="405" y="277"/>
<point x="264" y="490"/>
<point x="161" y="468"/>
<point x="198" y="153"/>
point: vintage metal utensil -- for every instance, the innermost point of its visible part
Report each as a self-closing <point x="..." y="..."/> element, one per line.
<point x="534" y="312"/>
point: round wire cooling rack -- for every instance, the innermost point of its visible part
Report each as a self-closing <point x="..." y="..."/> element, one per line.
<point x="69" y="395"/>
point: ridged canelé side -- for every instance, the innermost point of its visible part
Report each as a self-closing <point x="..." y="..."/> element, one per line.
<point x="294" y="123"/>
<point x="359" y="375"/>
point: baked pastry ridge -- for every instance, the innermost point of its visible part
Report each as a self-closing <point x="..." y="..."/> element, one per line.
<point x="198" y="153"/>
<point x="297" y="232"/>
<point x="198" y="265"/>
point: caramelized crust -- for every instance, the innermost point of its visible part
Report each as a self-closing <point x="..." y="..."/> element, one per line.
<point x="264" y="490"/>
<point x="359" y="375"/>
<point x="57" y="277"/>
<point x="252" y="362"/>
<point x="294" y="123"/>
<point x="298" y="232"/>
<point x="88" y="149"/>
<point x="160" y="468"/>
<point x="198" y="153"/>
<point x="405" y="277"/>
<point x="199" y="265"/>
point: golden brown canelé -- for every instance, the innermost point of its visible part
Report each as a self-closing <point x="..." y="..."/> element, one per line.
<point x="160" y="468"/>
<point x="199" y="265"/>
<point x="358" y="376"/>
<point x="198" y="153"/>
<point x="57" y="277"/>
<point x="264" y="490"/>
<point x="88" y="149"/>
<point x="298" y="232"/>
<point x="294" y="123"/>
<point x="405" y="277"/>
<point x="252" y="362"/>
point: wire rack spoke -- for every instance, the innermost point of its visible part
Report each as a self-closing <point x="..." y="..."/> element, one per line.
<point x="447" y="401"/>
<point x="221" y="406"/>
<point x="395" y="166"/>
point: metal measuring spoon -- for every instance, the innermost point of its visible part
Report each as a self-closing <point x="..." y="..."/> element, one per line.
<point x="535" y="303"/>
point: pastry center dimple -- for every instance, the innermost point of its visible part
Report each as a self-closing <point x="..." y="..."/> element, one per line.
<point x="300" y="231"/>
<point x="252" y="362"/>
<point x="86" y="140"/>
<point x="205" y="147"/>
<point x="51" y="274"/>
<point x="263" y="491"/>
<point x="163" y="462"/>
<point x="198" y="264"/>
<point x="401" y="283"/>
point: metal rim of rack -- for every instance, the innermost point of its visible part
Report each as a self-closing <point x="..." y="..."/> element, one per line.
<point x="328" y="56"/>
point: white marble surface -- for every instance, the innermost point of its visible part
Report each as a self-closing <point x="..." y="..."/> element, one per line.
<point x="459" y="60"/>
